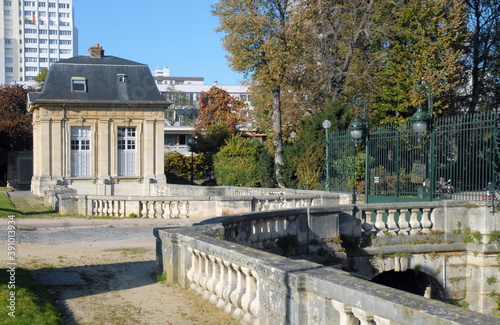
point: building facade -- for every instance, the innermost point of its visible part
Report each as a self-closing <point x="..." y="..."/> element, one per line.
<point x="33" y="35"/>
<point x="98" y="127"/>
<point x="184" y="94"/>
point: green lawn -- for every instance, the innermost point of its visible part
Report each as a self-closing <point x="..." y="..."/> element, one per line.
<point x="31" y="301"/>
<point x="22" y="207"/>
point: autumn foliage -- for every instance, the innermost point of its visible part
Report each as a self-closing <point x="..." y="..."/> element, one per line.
<point x="218" y="108"/>
<point x="16" y="132"/>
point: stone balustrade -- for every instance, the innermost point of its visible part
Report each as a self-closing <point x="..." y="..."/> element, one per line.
<point x="395" y="221"/>
<point x="257" y="287"/>
<point x="223" y="201"/>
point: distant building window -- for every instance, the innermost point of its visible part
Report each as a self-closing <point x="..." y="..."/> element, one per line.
<point x="9" y="60"/>
<point x="42" y="4"/>
<point x="8" y="41"/>
<point x="64" y="5"/>
<point x="64" y="32"/>
<point x="31" y="59"/>
<point x="78" y="85"/>
<point x="7" y="3"/>
<point x="52" y="4"/>
<point x="42" y="32"/>
<point x="53" y="32"/>
<point x="64" y="42"/>
<point x="7" y="12"/>
<point x="9" y="70"/>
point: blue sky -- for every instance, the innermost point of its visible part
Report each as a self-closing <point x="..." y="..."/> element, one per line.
<point x="175" y="34"/>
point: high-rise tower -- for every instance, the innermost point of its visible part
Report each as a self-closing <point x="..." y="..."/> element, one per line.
<point x="34" y="34"/>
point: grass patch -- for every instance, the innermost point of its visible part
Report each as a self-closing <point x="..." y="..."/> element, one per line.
<point x="32" y="302"/>
<point x="129" y="251"/>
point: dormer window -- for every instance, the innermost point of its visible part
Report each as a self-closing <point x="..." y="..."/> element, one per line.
<point x="122" y="77"/>
<point x="78" y="85"/>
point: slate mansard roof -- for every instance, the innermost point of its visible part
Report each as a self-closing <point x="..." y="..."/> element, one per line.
<point x="108" y="80"/>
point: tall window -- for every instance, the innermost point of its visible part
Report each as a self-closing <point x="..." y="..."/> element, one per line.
<point x="80" y="151"/>
<point x="126" y="151"/>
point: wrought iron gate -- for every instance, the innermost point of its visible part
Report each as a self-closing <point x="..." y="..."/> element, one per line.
<point x="456" y="160"/>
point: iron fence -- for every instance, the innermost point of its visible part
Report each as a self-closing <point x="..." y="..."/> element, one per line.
<point x="457" y="159"/>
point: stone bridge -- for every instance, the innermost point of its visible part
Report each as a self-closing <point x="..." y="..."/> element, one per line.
<point x="406" y="263"/>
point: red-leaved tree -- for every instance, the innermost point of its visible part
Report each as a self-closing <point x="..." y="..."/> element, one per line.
<point x="218" y="108"/>
<point x="16" y="133"/>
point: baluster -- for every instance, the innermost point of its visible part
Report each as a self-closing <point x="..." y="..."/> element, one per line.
<point x="212" y="283"/>
<point x="247" y="298"/>
<point x="144" y="209"/>
<point x="365" y="318"/>
<point x="175" y="210"/>
<point x="207" y="274"/>
<point x="101" y="208"/>
<point x="121" y="209"/>
<point x="265" y="206"/>
<point x="281" y="227"/>
<point x="258" y="206"/>
<point x="255" y="232"/>
<point x="255" y="303"/>
<point x="192" y="271"/>
<point x="404" y="226"/>
<point x="414" y="223"/>
<point x="199" y="276"/>
<point x="238" y="293"/>
<point x="379" y="223"/>
<point x="367" y="226"/>
<point x="95" y="208"/>
<point x="166" y="210"/>
<point x="151" y="209"/>
<point x="229" y="287"/>
<point x="219" y="288"/>
<point x="110" y="208"/>
<point x="426" y="222"/>
<point x="345" y="312"/>
<point x="392" y="226"/>
<point x="116" y="209"/>
<point x="159" y="209"/>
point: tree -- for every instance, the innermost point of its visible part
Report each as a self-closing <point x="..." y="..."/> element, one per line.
<point x="257" y="36"/>
<point x="40" y="78"/>
<point x="426" y="40"/>
<point x="16" y="132"/>
<point x="482" y="82"/>
<point x="218" y="108"/>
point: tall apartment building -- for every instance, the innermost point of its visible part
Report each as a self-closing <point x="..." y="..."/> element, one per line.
<point x="34" y="34"/>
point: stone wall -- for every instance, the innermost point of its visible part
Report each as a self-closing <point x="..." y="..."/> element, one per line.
<point x="259" y="287"/>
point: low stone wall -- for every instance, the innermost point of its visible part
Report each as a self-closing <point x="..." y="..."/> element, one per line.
<point x="258" y="287"/>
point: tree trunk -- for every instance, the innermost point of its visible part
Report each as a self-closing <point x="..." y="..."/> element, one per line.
<point x="277" y="139"/>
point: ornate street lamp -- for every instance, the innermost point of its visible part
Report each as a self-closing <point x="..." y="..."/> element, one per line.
<point x="327" y="125"/>
<point x="422" y="122"/>
<point x="357" y="129"/>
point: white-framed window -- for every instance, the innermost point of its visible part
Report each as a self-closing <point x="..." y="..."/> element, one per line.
<point x="7" y="3"/>
<point x="31" y="59"/>
<point x="64" y="6"/>
<point x="126" y="151"/>
<point x="80" y="151"/>
<point x="31" y="69"/>
<point x="42" y="4"/>
<point x="78" y="84"/>
<point x="64" y="42"/>
<point x="52" y="4"/>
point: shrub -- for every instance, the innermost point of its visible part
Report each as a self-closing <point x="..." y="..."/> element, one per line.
<point x="243" y="162"/>
<point x="178" y="166"/>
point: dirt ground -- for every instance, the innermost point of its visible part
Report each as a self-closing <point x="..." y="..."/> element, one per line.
<point x="122" y="286"/>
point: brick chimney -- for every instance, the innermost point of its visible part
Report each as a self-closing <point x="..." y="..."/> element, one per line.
<point x="96" y="51"/>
